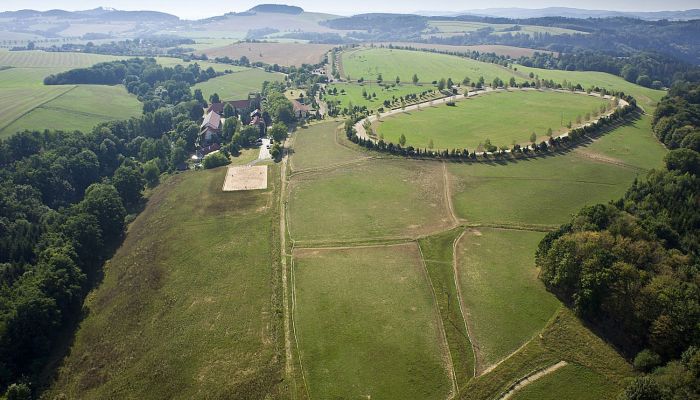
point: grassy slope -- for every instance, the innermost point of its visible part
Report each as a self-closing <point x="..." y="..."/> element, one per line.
<point x="501" y="117"/>
<point x="368" y="63"/>
<point x="536" y="191"/>
<point x="571" y="382"/>
<point x="366" y="324"/>
<point x="237" y="85"/>
<point x="353" y="93"/>
<point x="374" y="199"/>
<point x="455" y="27"/>
<point x="507" y="305"/>
<point x="189" y="304"/>
<point x="316" y="147"/>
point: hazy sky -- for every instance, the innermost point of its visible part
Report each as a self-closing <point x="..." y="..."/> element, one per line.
<point x="198" y="9"/>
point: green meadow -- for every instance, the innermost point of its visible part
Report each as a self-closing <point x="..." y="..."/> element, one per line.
<point x="366" y="324"/>
<point x="570" y="382"/>
<point x="352" y="94"/>
<point x="237" y="85"/>
<point x="501" y="117"/>
<point x="317" y="146"/>
<point x="368" y="63"/>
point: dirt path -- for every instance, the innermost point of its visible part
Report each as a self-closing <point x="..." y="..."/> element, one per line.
<point x="462" y="307"/>
<point x="448" y="195"/>
<point x="531" y="378"/>
<point x="288" y="369"/>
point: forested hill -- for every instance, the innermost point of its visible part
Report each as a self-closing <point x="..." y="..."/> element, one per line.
<point x="277" y="8"/>
<point x="631" y="268"/>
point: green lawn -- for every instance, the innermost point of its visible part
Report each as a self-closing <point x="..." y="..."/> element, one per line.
<point x="353" y="93"/>
<point x="372" y="200"/>
<point x="570" y="382"/>
<point x="188" y="307"/>
<point x="368" y="63"/>
<point x="502" y="117"/>
<point x="316" y="147"/>
<point x="237" y="85"/>
<point x="542" y="191"/>
<point x="506" y="304"/>
<point x="366" y="324"/>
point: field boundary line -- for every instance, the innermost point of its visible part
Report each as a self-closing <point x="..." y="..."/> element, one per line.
<point x="530" y="378"/>
<point x="441" y="326"/>
<point x="455" y="273"/>
<point x="294" y="326"/>
<point x="359" y="246"/>
<point x="502" y="360"/>
<point x="12" y="121"/>
<point x="448" y="195"/>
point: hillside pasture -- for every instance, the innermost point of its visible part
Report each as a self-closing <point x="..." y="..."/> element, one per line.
<point x="368" y="63"/>
<point x="542" y="191"/>
<point x="45" y="59"/>
<point x="506" y="304"/>
<point x="286" y="54"/>
<point x="498" y="49"/>
<point x="374" y="199"/>
<point x="570" y="382"/>
<point x="237" y="85"/>
<point x="502" y="117"/>
<point x="188" y="305"/>
<point x="366" y="324"/>
<point x="452" y="28"/>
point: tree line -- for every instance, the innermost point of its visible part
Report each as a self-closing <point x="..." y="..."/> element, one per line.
<point x="631" y="268"/>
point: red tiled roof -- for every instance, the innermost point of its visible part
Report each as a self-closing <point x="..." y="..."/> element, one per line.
<point x="211" y="120"/>
<point x="219" y="107"/>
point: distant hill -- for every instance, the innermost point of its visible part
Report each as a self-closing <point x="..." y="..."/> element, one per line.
<point x="520" y="13"/>
<point x="95" y="14"/>
<point x="277" y="8"/>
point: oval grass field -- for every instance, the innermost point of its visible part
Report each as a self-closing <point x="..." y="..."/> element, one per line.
<point x="502" y="117"/>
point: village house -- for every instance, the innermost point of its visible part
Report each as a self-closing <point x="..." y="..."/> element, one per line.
<point x="301" y="111"/>
<point x="210" y="129"/>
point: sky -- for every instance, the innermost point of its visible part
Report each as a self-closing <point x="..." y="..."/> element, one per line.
<point x="188" y="9"/>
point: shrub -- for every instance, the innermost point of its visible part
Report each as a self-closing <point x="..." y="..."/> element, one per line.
<point x="214" y="160"/>
<point x="646" y="360"/>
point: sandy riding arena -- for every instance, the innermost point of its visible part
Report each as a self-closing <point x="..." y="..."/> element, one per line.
<point x="245" y="178"/>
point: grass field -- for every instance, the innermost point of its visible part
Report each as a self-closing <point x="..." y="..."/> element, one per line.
<point x="451" y="28"/>
<point x="498" y="49"/>
<point x="374" y="199"/>
<point x="172" y="61"/>
<point x="506" y="303"/>
<point x="543" y="191"/>
<point x="43" y="59"/>
<point x="353" y="93"/>
<point x="646" y="97"/>
<point x="367" y="324"/>
<point x="286" y="54"/>
<point x="316" y="147"/>
<point x="188" y="306"/>
<point x="368" y="63"/>
<point x="502" y="117"/>
<point x="570" y="382"/>
<point x="237" y="85"/>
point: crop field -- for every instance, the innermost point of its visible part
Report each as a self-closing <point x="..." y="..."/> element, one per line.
<point x="43" y="59"/>
<point x="219" y="67"/>
<point x="369" y="63"/>
<point x="646" y="97"/>
<point x="507" y="305"/>
<point x="316" y="147"/>
<point x="286" y="54"/>
<point x="502" y="117"/>
<point x="451" y="28"/>
<point x="367" y="324"/>
<point x="237" y="85"/>
<point x="374" y="199"/>
<point x="543" y="191"/>
<point x="194" y="288"/>
<point x="571" y="382"/>
<point x="353" y="93"/>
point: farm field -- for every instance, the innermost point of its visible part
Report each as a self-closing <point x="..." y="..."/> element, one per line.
<point x="237" y="85"/>
<point x="451" y="28"/>
<point x="353" y="93"/>
<point x="78" y="107"/>
<point x="646" y="97"/>
<point x="543" y="191"/>
<point x="502" y="117"/>
<point x="172" y="61"/>
<point x="315" y="146"/>
<point x="194" y="289"/>
<point x="356" y="337"/>
<point x="286" y="54"/>
<point x="43" y="59"/>
<point x="570" y="382"/>
<point x="369" y="63"/>
<point x="370" y="200"/>
<point x="507" y="305"/>
<point x="498" y="49"/>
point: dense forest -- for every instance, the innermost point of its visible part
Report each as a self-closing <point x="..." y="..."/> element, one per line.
<point x="631" y="268"/>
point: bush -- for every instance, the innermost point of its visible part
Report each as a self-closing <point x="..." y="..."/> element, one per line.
<point x="19" y="391"/>
<point x="646" y="360"/>
<point x="214" y="160"/>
